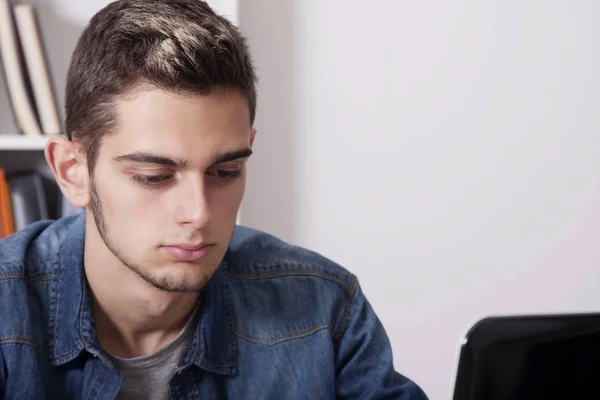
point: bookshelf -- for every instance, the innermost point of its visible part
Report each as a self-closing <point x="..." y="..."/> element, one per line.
<point x="28" y="102"/>
<point x="19" y="153"/>
<point x="17" y="142"/>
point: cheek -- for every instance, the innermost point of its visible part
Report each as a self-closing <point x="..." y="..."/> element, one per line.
<point x="130" y="204"/>
<point x="227" y="201"/>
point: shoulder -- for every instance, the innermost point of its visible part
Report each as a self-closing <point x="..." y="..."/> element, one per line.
<point x="297" y="289"/>
<point x="27" y="266"/>
<point x="28" y="251"/>
<point x="254" y="254"/>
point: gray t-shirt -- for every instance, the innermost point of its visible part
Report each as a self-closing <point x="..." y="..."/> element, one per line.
<point x="147" y="377"/>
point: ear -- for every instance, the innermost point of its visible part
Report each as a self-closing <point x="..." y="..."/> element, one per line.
<point x="69" y="166"/>
<point x="252" y="135"/>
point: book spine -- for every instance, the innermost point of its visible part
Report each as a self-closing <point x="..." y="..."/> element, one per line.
<point x="8" y="122"/>
<point x="6" y="213"/>
<point x="24" y="113"/>
<point x="36" y="65"/>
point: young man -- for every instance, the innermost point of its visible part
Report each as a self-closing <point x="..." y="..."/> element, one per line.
<point x="153" y="292"/>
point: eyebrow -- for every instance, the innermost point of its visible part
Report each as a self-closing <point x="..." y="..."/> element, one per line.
<point x="149" y="158"/>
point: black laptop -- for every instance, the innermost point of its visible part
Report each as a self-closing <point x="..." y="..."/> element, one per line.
<point x="538" y="357"/>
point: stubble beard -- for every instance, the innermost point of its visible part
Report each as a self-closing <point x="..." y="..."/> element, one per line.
<point x="164" y="282"/>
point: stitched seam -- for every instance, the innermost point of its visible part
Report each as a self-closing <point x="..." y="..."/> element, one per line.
<point x="221" y="368"/>
<point x="224" y="369"/>
<point x="66" y="356"/>
<point x="194" y="357"/>
<point x="54" y="323"/>
<point x="95" y="379"/>
<point x="11" y="275"/>
<point x="188" y="379"/>
<point x="230" y="317"/>
<point x="23" y="340"/>
<point x="196" y="342"/>
<point x="337" y="335"/>
<point x="82" y="336"/>
<point x="293" y="335"/>
<point x="293" y="271"/>
<point x="16" y="339"/>
<point x="35" y="279"/>
<point x="29" y="279"/>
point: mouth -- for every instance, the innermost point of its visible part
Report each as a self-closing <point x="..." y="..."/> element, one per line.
<point x="189" y="252"/>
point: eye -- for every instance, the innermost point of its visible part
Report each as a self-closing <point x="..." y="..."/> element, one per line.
<point x="150" y="180"/>
<point x="226" y="172"/>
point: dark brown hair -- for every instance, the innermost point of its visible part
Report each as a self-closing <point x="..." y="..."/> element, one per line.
<point x="180" y="46"/>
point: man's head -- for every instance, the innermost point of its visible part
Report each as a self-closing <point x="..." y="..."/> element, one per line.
<point x="159" y="107"/>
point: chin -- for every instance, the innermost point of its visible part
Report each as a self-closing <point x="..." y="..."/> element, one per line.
<point x="180" y="281"/>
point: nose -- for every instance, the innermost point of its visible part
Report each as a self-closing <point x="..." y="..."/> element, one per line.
<point x="192" y="202"/>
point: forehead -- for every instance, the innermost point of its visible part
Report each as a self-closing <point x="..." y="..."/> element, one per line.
<point x="190" y="127"/>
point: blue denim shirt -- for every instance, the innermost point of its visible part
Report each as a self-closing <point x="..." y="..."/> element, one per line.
<point x="277" y="322"/>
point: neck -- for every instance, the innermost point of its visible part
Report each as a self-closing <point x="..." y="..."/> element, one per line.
<point x="132" y="318"/>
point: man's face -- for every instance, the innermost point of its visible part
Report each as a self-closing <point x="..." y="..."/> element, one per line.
<point x="167" y="186"/>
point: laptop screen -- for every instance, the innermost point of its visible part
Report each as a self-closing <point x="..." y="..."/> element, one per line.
<point x="531" y="359"/>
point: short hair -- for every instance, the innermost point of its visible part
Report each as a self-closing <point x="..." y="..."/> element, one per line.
<point x="180" y="46"/>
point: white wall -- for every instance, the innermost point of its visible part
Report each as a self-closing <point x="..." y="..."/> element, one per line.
<point x="445" y="152"/>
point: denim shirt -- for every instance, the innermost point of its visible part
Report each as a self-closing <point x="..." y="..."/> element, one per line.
<point x="277" y="322"/>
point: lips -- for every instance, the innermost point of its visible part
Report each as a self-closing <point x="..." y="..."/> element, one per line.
<point x="189" y="246"/>
<point x="187" y="252"/>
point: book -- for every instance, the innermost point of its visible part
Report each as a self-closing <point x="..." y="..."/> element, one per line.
<point x="28" y="199"/>
<point x="9" y="50"/>
<point x="6" y="215"/>
<point x="31" y="43"/>
<point x="8" y="124"/>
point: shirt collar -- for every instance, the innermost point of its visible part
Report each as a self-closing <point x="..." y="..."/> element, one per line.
<point x="213" y="346"/>
<point x="67" y="295"/>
